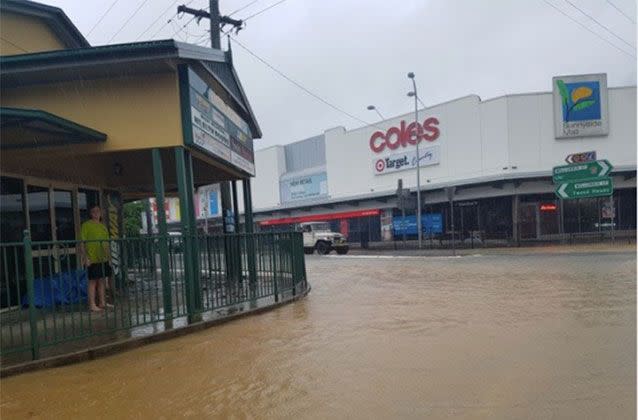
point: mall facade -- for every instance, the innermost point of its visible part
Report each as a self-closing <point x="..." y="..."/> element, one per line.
<point x="494" y="158"/>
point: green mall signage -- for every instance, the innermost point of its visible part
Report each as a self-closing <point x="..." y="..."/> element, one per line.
<point x="580" y="171"/>
<point x="586" y="188"/>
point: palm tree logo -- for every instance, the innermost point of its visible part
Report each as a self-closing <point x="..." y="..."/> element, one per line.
<point x="579" y="99"/>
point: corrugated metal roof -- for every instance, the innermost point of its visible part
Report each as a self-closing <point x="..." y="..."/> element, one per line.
<point x="304" y="154"/>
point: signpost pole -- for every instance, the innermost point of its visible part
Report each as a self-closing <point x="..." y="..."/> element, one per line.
<point x="452" y="212"/>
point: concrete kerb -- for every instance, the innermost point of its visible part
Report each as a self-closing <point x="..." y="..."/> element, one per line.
<point x="109" y="349"/>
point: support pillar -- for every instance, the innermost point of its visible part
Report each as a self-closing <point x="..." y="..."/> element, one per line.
<point x="158" y="178"/>
<point x="187" y="235"/>
<point x="250" y="244"/>
<point x="516" y="200"/>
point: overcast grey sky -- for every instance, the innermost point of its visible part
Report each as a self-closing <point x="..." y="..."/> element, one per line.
<point x="357" y="52"/>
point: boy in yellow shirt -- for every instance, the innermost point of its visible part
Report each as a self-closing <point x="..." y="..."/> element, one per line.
<point x="96" y="258"/>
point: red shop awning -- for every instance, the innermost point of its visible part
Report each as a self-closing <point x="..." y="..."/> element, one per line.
<point x="320" y="217"/>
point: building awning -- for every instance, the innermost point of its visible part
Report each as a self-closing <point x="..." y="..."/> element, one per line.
<point x="321" y="217"/>
<point x="31" y="128"/>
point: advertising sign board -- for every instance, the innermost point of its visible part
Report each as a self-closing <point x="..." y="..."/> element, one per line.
<point x="215" y="127"/>
<point x="406" y="160"/>
<point x="580" y="106"/>
<point x="430" y="223"/>
<point x="304" y="187"/>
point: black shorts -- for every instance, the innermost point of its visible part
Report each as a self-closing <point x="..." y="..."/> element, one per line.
<point x="99" y="270"/>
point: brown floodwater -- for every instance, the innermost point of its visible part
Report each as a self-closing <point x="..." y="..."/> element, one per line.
<point x="492" y="336"/>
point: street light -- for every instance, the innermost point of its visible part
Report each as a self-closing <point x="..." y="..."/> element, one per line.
<point x="418" y="158"/>
<point x="374" y="108"/>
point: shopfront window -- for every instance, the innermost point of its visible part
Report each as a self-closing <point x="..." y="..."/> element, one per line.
<point x="86" y="200"/>
<point x="39" y="213"/>
<point x="64" y="220"/>
<point x="11" y="209"/>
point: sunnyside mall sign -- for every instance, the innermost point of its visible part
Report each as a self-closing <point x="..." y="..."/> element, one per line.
<point x="580" y="106"/>
<point x="401" y="140"/>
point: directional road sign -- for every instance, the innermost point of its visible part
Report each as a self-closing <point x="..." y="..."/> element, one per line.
<point x="597" y="168"/>
<point x="587" y="188"/>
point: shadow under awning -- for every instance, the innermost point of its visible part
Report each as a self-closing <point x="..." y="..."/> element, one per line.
<point x="32" y="128"/>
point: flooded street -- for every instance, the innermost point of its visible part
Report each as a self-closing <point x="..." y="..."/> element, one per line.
<point x="523" y="335"/>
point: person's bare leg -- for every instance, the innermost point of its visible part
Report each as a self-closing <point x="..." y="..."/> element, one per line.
<point x="101" y="290"/>
<point x="91" y="293"/>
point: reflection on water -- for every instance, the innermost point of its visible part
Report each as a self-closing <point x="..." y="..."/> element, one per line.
<point x="513" y="336"/>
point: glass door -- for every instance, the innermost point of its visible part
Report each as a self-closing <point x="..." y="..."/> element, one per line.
<point x="529" y="221"/>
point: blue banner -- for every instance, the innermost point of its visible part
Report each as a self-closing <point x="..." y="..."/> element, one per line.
<point x="430" y="223"/>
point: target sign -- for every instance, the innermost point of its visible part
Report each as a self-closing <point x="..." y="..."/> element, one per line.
<point x="380" y="165"/>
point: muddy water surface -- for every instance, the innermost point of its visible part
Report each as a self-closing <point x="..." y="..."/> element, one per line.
<point x="494" y="336"/>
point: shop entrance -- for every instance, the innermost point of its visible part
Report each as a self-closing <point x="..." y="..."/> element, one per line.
<point x="529" y="221"/>
<point x="51" y="212"/>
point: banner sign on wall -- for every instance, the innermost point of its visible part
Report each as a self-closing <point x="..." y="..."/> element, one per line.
<point x="304" y="187"/>
<point x="430" y="223"/>
<point x="406" y="160"/>
<point x="580" y="106"/>
<point x="208" y="202"/>
<point x="114" y="221"/>
<point x="217" y="128"/>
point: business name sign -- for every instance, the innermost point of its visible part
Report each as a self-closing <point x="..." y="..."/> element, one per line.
<point x="214" y="126"/>
<point x="430" y="223"/>
<point x="406" y="160"/>
<point x="404" y="135"/>
<point x="304" y="187"/>
<point x="580" y="106"/>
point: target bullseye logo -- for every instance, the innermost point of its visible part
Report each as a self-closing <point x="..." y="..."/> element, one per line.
<point x="380" y="165"/>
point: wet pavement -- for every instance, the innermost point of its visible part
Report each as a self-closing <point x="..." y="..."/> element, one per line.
<point x="515" y="334"/>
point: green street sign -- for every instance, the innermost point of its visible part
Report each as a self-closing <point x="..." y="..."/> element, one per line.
<point x="586" y="188"/>
<point x="576" y="172"/>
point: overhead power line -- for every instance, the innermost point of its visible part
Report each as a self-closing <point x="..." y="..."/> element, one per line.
<point x="156" y="19"/>
<point x="297" y="84"/>
<point x="243" y="7"/>
<point x="598" y="23"/>
<point x="588" y="29"/>
<point x="263" y="10"/>
<point x="621" y="12"/>
<point x="102" y="17"/>
<point x="168" y="21"/>
<point x="127" y="21"/>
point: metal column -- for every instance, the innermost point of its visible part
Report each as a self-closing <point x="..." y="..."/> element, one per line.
<point x="158" y="178"/>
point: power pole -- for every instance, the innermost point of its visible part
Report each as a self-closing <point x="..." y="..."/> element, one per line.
<point x="215" y="20"/>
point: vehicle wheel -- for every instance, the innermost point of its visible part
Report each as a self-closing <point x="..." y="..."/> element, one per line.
<point x="323" y="248"/>
<point x="308" y="251"/>
<point x="342" y="251"/>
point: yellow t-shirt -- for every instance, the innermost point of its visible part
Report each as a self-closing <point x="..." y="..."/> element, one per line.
<point x="95" y="251"/>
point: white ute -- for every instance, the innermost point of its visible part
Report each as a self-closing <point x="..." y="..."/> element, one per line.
<point x="317" y="235"/>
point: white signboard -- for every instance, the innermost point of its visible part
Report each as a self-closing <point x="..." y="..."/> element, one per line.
<point x="580" y="106"/>
<point x="406" y="160"/>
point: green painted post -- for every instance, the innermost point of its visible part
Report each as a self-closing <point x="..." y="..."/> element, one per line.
<point x="28" y="272"/>
<point x="250" y="237"/>
<point x="180" y="164"/>
<point x="197" y="290"/>
<point x="158" y="177"/>
<point x="237" y="248"/>
<point x="274" y="266"/>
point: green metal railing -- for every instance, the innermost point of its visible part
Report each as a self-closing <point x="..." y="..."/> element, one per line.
<point x="156" y="280"/>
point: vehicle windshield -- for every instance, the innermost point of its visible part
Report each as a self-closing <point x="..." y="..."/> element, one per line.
<point x="321" y="227"/>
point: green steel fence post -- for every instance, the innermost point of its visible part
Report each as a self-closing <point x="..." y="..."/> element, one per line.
<point x="187" y="257"/>
<point x="158" y="177"/>
<point x="274" y="267"/>
<point x="195" y="256"/>
<point x="28" y="272"/>
<point x="250" y="244"/>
